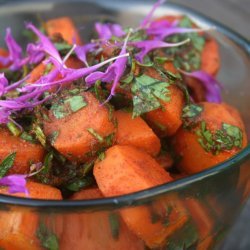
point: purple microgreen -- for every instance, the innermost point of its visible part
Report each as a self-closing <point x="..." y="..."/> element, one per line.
<point x="106" y="30"/>
<point x="82" y="51"/>
<point x="3" y="84"/>
<point x="146" y="21"/>
<point x="210" y="84"/>
<point x="162" y="32"/>
<point x="148" y="45"/>
<point x="73" y="75"/>
<point x="35" y="55"/>
<point x="14" y="57"/>
<point x="45" y="45"/>
<point x="113" y="73"/>
<point x="16" y="183"/>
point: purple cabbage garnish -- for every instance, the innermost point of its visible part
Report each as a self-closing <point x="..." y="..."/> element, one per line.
<point x="82" y="51"/>
<point x="210" y="84"/>
<point x="44" y="46"/>
<point x="3" y="84"/>
<point x="148" y="45"/>
<point x="16" y="183"/>
<point x="15" y="53"/>
<point x="162" y="32"/>
<point x="106" y="30"/>
<point x="146" y="21"/>
<point x="113" y="73"/>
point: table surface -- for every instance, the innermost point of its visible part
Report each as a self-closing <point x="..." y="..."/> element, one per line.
<point x="236" y="15"/>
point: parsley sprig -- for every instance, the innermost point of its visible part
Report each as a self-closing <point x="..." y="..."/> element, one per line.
<point x="223" y="139"/>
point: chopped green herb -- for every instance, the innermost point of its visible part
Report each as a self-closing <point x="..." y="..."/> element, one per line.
<point x="166" y="221"/>
<point x="59" y="110"/>
<point x="53" y="136"/>
<point x="101" y="156"/>
<point x="27" y="137"/>
<point x="47" y="238"/>
<point x="190" y="113"/>
<point x="62" y="46"/>
<point x="88" y="167"/>
<point x="6" y="164"/>
<point x="223" y="139"/>
<point x="43" y="175"/>
<point x="109" y="139"/>
<point x="96" y="135"/>
<point x="40" y="135"/>
<point x="114" y="222"/>
<point x="147" y="91"/>
<point x="76" y="102"/>
<point x="79" y="184"/>
<point x="14" y="129"/>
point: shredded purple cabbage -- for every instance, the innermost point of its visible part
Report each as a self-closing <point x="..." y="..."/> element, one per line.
<point x="211" y="85"/>
<point x="146" y="21"/>
<point x="14" y="57"/>
<point x="106" y="30"/>
<point x="44" y="46"/>
<point x="82" y="51"/>
<point x="148" y="45"/>
<point x="16" y="183"/>
<point x="113" y="73"/>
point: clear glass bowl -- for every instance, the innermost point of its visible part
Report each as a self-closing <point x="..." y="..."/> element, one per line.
<point x="198" y="209"/>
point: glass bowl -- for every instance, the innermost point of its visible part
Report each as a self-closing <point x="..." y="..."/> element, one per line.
<point x="196" y="211"/>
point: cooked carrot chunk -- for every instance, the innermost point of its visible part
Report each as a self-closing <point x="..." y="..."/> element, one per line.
<point x="64" y="28"/>
<point x="26" y="152"/>
<point x="195" y="145"/>
<point x="136" y="132"/>
<point x="98" y="230"/>
<point x="18" y="228"/>
<point x="80" y="133"/>
<point x="166" y="120"/>
<point x="126" y="169"/>
<point x="204" y="222"/>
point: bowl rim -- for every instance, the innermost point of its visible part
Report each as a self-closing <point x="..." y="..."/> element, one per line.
<point x="141" y="197"/>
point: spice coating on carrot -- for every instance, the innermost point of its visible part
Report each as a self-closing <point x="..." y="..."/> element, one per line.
<point x="81" y="132"/>
<point x="136" y="132"/>
<point x="166" y="120"/>
<point x="188" y="143"/>
<point x="98" y="230"/>
<point x="26" y="152"/>
<point x="19" y="227"/>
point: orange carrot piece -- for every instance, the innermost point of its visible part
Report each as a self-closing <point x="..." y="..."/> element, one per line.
<point x="64" y="27"/>
<point x="74" y="138"/>
<point x="18" y="228"/>
<point x="94" y="230"/>
<point x="136" y="132"/>
<point x="204" y="222"/>
<point x="166" y="120"/>
<point x="194" y="158"/>
<point x="124" y="163"/>
<point x="126" y="169"/>
<point x="3" y="53"/>
<point x="26" y="152"/>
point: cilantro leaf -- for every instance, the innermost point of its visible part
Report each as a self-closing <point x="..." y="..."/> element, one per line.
<point x="47" y="238"/>
<point x="190" y="113"/>
<point x="222" y="139"/>
<point x="76" y="102"/>
<point x="6" y="164"/>
<point x="147" y="93"/>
